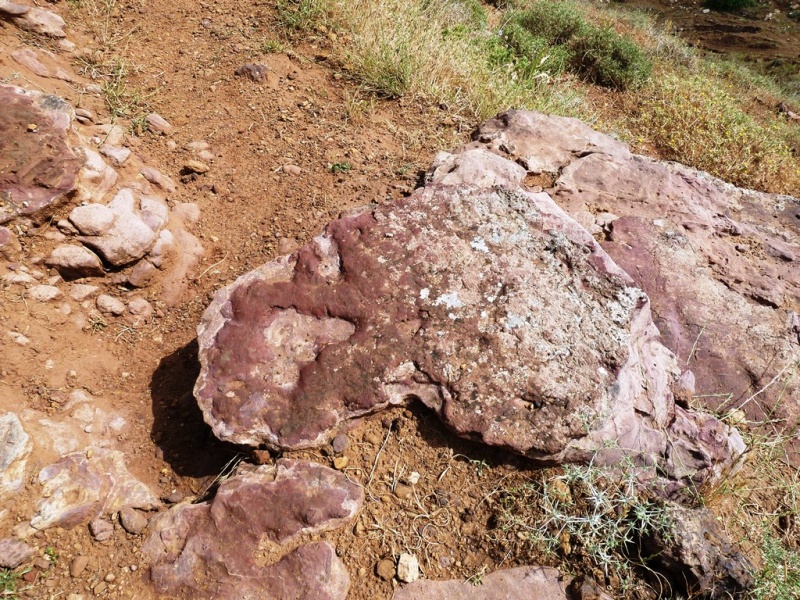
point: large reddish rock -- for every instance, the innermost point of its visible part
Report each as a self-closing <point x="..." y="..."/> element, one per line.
<point x="240" y="544"/>
<point x="719" y="263"/>
<point x="37" y="166"/>
<point x="489" y="304"/>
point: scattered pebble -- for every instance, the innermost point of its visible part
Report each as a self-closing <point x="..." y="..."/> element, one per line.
<point x="195" y="166"/>
<point x="44" y="293"/>
<point x="78" y="565"/>
<point x="101" y="529"/>
<point x="157" y="123"/>
<point x="133" y="521"/>
<point x="385" y="569"/>
<point x="407" y="568"/>
<point x="291" y="169"/>
<point x="340" y="463"/>
<point x="110" y="305"/>
<point x="340" y="443"/>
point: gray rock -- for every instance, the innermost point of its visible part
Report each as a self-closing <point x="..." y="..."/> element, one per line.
<point x="13" y="553"/>
<point x="10" y="9"/>
<point x="101" y="529"/>
<point x="209" y="549"/>
<point x="142" y="273"/>
<point x="80" y="292"/>
<point x="522" y="583"/>
<point x="15" y="447"/>
<point x="74" y="262"/>
<point x="41" y="21"/>
<point x="78" y="489"/>
<point x="139" y="307"/>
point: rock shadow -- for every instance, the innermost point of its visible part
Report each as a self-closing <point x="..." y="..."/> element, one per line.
<point x="186" y="441"/>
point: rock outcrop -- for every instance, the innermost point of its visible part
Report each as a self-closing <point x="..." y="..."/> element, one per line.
<point x="241" y="544"/>
<point x="480" y="298"/>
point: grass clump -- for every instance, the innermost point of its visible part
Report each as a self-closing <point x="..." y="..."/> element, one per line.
<point x="558" y="33"/>
<point x="779" y="579"/>
<point x="9" y="583"/>
<point x="702" y="125"/>
<point x="590" y="516"/>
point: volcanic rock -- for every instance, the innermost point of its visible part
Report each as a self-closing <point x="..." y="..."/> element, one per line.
<point x="208" y="549"/>
<point x="37" y="168"/>
<point x="78" y="489"/>
<point x="490" y="305"/>
<point x="521" y="583"/>
<point x="719" y="263"/>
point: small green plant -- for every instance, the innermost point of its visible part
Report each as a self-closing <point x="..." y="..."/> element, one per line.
<point x="52" y="555"/>
<point x="301" y="15"/>
<point x="9" y="583"/>
<point x="339" y="167"/>
<point x="271" y="46"/>
<point x="779" y="579"/>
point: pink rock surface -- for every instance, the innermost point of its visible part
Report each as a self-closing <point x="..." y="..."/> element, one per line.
<point x="37" y="167"/>
<point x="490" y="305"/>
<point x="209" y="549"/>
<point x="718" y="263"/>
<point x="77" y="489"/>
<point x="522" y="583"/>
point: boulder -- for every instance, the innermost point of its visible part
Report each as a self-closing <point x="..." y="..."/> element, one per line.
<point x="719" y="263"/>
<point x="488" y="304"/>
<point x="85" y="485"/>
<point x="37" y="166"/>
<point x="210" y="549"/>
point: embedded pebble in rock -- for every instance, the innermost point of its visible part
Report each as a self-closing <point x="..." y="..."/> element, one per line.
<point x="254" y="72"/>
<point x="44" y="293"/>
<point x="157" y="124"/>
<point x="44" y="165"/>
<point x="80" y="291"/>
<point x="101" y="529"/>
<point x="521" y="583"/>
<point x="75" y="262"/>
<point x="78" y="565"/>
<point x="116" y="154"/>
<point x="157" y="178"/>
<point x="110" y="305"/>
<point x="407" y="568"/>
<point x="394" y="303"/>
<point x="15" y="447"/>
<point x="210" y="549"/>
<point x="13" y="553"/>
<point x="133" y="521"/>
<point x="78" y="489"/>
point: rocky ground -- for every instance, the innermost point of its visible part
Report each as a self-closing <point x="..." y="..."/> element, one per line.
<point x="339" y="424"/>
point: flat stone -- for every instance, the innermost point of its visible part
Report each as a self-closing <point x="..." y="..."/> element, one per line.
<point x="522" y="333"/>
<point x="44" y="293"/>
<point x="80" y="291"/>
<point x="13" y="553"/>
<point x="142" y="274"/>
<point x="158" y="178"/>
<point x="11" y="9"/>
<point x="37" y="169"/>
<point x="78" y="565"/>
<point x="116" y="154"/>
<point x="521" y="583"/>
<point x="78" y="489"/>
<point x="158" y="124"/>
<point x="74" y="262"/>
<point x="209" y="549"/>
<point x="92" y="219"/>
<point x="195" y="166"/>
<point x="41" y="21"/>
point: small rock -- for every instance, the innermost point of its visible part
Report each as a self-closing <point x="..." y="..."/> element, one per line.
<point x="139" y="307"/>
<point x="100" y="588"/>
<point x="44" y="293"/>
<point x="385" y="569"/>
<point x="84" y="115"/>
<point x="407" y="568"/>
<point x="133" y="521"/>
<point x="291" y="169"/>
<point x="110" y="305"/>
<point x="174" y="497"/>
<point x="340" y="463"/>
<point x="195" y="166"/>
<point x="78" y="565"/>
<point x="413" y="478"/>
<point x="254" y="72"/>
<point x="80" y="291"/>
<point x="75" y="597"/>
<point x="403" y="491"/>
<point x="74" y="262"/>
<point x="340" y="443"/>
<point x="117" y="154"/>
<point x="157" y="123"/>
<point x="142" y="273"/>
<point x="198" y="146"/>
<point x="92" y="219"/>
<point x="19" y="338"/>
<point x="13" y="553"/>
<point x="287" y="245"/>
<point x="101" y="529"/>
<point x="157" y="178"/>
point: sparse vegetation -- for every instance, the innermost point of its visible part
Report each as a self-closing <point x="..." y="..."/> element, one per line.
<point x="9" y="583"/>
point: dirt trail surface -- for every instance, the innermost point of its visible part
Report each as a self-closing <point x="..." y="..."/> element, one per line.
<point x="103" y="285"/>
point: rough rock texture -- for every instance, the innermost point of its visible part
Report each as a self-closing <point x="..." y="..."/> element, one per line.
<point x="15" y="446"/>
<point x="522" y="583"/>
<point x="491" y="305"/>
<point x="209" y="549"/>
<point x="73" y="262"/>
<point x="37" y="166"/>
<point x="13" y="553"/>
<point x="697" y="556"/>
<point x="718" y="263"/>
<point x="78" y="489"/>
